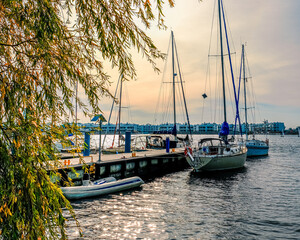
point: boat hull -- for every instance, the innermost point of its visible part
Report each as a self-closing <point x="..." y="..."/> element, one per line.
<point x="257" y="149"/>
<point x="79" y="192"/>
<point x="217" y="162"/>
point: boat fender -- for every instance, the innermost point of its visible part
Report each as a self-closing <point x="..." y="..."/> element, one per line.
<point x="188" y="150"/>
<point x="190" y="156"/>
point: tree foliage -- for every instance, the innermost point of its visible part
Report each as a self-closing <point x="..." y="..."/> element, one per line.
<point x="42" y="59"/>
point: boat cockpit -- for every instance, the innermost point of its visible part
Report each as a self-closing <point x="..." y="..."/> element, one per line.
<point x="213" y="146"/>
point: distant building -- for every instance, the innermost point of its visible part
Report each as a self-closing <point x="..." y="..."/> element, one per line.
<point x="204" y="128"/>
<point x="276" y="127"/>
<point x="184" y="128"/>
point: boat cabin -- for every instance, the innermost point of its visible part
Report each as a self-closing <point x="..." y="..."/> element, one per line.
<point x="212" y="146"/>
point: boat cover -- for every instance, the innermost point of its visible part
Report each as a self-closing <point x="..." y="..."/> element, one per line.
<point x="224" y="129"/>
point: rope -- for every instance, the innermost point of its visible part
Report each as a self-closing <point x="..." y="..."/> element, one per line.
<point x="182" y="89"/>
<point x="160" y="95"/>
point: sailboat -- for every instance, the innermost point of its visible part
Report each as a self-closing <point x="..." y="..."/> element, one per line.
<point x="159" y="138"/>
<point x="73" y="143"/>
<point x="214" y="154"/>
<point x="118" y="146"/>
<point x="255" y="147"/>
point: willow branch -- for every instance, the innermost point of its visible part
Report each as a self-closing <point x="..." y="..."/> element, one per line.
<point x="17" y="44"/>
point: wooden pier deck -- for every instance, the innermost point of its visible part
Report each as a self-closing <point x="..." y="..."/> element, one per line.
<point x="146" y="164"/>
<point x="72" y="160"/>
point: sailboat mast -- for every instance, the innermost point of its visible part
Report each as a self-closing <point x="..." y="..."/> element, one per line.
<point x="76" y="109"/>
<point x="222" y="60"/>
<point x="245" y="92"/>
<point x="120" y="106"/>
<point x="173" y="69"/>
<point x="112" y="107"/>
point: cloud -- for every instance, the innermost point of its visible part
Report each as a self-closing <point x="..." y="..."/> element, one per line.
<point x="269" y="27"/>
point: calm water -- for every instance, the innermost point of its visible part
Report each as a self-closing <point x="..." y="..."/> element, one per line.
<point x="261" y="201"/>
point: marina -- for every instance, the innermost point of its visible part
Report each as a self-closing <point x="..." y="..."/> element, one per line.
<point x="94" y="146"/>
<point x="259" y="201"/>
<point x="128" y="174"/>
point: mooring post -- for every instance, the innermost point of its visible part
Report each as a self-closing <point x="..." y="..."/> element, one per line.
<point x="167" y="144"/>
<point x="127" y="142"/>
<point x="100" y="130"/>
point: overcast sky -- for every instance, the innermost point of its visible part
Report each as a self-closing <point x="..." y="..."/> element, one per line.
<point x="271" y="29"/>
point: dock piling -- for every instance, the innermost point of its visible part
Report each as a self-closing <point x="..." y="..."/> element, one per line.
<point x="127" y="142"/>
<point x="87" y="144"/>
<point x="167" y="144"/>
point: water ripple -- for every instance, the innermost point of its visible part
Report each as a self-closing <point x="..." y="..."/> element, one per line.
<point x="260" y="201"/>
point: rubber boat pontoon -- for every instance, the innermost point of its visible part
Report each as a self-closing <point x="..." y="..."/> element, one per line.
<point x="100" y="187"/>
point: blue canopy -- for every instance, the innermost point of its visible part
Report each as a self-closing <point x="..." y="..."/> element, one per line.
<point x="224" y="129"/>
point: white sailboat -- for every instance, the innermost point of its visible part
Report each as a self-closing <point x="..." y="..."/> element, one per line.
<point x="256" y="148"/>
<point x="214" y="154"/>
<point x="158" y="138"/>
<point x="138" y="143"/>
<point x="120" y="147"/>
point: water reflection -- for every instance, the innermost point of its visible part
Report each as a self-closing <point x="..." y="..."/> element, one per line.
<point x="218" y="175"/>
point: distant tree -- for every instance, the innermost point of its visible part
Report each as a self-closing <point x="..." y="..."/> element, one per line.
<point x="42" y="59"/>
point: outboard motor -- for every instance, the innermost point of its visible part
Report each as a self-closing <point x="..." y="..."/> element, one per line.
<point x="86" y="179"/>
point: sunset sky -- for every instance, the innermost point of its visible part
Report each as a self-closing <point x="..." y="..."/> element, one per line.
<point x="270" y="29"/>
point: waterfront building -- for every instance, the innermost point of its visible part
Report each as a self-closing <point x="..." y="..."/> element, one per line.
<point x="207" y="128"/>
<point x="204" y="128"/>
<point x="184" y="128"/>
<point x="277" y="127"/>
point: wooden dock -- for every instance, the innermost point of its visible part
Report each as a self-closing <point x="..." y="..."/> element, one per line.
<point x="146" y="164"/>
